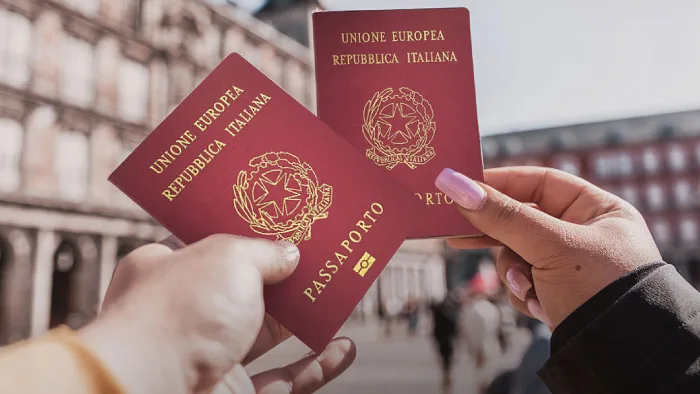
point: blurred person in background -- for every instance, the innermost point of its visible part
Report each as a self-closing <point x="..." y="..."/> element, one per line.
<point x="479" y="323"/>
<point x="412" y="313"/>
<point x="445" y="315"/>
<point x="524" y="379"/>
<point x="393" y="308"/>
<point x="508" y="325"/>
<point x="181" y="321"/>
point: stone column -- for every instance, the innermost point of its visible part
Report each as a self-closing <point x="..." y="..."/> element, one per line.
<point x="108" y="261"/>
<point x="20" y="288"/>
<point x="86" y="283"/>
<point x="46" y="242"/>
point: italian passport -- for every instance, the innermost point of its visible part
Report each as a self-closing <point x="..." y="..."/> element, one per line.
<point x="399" y="86"/>
<point x="240" y="156"/>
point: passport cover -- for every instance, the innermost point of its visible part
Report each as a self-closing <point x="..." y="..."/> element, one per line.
<point x="399" y="86"/>
<point x="241" y="156"/>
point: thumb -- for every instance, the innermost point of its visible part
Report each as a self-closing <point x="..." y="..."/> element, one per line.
<point x="274" y="260"/>
<point x="517" y="225"/>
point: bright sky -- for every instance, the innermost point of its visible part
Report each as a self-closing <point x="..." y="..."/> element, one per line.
<point x="542" y="63"/>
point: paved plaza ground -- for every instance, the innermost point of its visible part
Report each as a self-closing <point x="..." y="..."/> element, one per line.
<point x="399" y="364"/>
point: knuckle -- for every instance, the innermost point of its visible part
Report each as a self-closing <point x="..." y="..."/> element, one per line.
<point x="129" y="266"/>
<point x="506" y="211"/>
<point x="225" y="244"/>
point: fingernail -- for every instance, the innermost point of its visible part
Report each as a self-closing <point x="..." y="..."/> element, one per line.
<point x="518" y="282"/>
<point x="467" y="193"/>
<point x="291" y="252"/>
<point x="536" y="310"/>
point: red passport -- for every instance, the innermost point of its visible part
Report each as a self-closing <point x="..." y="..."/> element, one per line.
<point x="241" y="156"/>
<point x="399" y="86"/>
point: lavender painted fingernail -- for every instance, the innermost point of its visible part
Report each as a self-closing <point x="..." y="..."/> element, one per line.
<point x="467" y="193"/>
<point x="518" y="282"/>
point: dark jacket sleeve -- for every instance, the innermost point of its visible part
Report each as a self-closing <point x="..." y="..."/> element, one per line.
<point x="641" y="334"/>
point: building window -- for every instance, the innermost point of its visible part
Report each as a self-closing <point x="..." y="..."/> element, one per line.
<point x="568" y="164"/>
<point x="72" y="161"/>
<point x="689" y="230"/>
<point x="683" y="193"/>
<point x="133" y="91"/>
<point x="77" y="84"/>
<point x="489" y="146"/>
<point x="661" y="231"/>
<point x="655" y="196"/>
<point x="602" y="166"/>
<point x="514" y="146"/>
<point x="15" y="48"/>
<point x="650" y="161"/>
<point x="629" y="194"/>
<point x="10" y="151"/>
<point x="677" y="158"/>
<point x="626" y="167"/>
<point x="85" y="6"/>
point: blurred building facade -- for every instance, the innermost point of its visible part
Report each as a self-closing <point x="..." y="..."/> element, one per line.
<point x="82" y="82"/>
<point x="653" y="162"/>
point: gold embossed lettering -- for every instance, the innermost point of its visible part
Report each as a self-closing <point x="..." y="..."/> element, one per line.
<point x="310" y="293"/>
<point x="361" y="224"/>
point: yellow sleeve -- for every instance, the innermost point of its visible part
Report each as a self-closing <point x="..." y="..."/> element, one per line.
<point x="55" y="363"/>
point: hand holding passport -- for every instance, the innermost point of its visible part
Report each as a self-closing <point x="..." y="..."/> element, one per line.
<point x="240" y="156"/>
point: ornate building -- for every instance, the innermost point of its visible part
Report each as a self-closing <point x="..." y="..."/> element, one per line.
<point x="81" y="83"/>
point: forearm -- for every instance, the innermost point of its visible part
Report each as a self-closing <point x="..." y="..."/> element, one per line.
<point x="143" y="365"/>
<point x="640" y="334"/>
<point x="55" y="363"/>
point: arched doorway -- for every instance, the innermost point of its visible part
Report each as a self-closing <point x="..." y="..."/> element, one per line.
<point x="65" y="261"/>
<point x="75" y="281"/>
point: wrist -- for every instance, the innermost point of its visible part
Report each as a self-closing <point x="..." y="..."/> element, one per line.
<point x="142" y="363"/>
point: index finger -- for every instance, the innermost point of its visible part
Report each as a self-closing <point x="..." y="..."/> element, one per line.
<point x="310" y="373"/>
<point x="554" y="191"/>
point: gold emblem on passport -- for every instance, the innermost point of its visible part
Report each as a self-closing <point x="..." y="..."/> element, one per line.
<point x="365" y="263"/>
<point x="400" y="127"/>
<point x="281" y="196"/>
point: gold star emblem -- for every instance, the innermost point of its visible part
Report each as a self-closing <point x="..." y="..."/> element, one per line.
<point x="277" y="193"/>
<point x="398" y="126"/>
